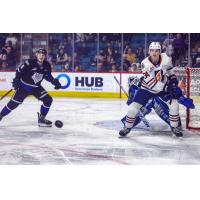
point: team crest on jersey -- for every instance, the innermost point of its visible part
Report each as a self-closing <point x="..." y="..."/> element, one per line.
<point x="37" y="77"/>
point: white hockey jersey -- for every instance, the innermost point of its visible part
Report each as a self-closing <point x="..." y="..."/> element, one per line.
<point x="164" y="68"/>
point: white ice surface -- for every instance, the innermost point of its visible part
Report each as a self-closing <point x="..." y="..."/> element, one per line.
<point x="89" y="136"/>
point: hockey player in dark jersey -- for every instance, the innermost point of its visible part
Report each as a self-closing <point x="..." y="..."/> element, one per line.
<point x="28" y="82"/>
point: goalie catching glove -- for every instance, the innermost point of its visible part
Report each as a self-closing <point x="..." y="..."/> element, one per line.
<point x="187" y="102"/>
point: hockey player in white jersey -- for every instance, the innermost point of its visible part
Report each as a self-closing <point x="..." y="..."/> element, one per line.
<point x="158" y="80"/>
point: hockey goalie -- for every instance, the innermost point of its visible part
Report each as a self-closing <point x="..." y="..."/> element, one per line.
<point x="157" y="104"/>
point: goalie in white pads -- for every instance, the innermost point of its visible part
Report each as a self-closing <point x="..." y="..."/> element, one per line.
<point x="158" y="80"/>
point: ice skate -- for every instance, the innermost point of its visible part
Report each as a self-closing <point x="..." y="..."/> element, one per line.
<point x="42" y="122"/>
<point x="124" y="131"/>
<point x="177" y="132"/>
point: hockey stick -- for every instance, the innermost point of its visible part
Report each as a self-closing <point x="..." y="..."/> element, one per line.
<point x="121" y="86"/>
<point x="9" y="91"/>
<point x="140" y="114"/>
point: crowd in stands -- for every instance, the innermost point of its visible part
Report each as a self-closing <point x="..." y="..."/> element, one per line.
<point x="9" y="51"/>
<point x="104" y="52"/>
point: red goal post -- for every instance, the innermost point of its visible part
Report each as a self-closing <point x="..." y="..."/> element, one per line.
<point x="190" y="79"/>
<point x="193" y="92"/>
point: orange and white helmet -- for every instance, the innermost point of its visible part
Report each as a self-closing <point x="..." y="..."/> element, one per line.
<point x="155" y="45"/>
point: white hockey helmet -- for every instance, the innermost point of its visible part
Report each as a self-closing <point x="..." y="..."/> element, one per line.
<point x="155" y="45"/>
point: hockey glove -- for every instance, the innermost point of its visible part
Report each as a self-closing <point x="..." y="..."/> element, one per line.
<point x="172" y="87"/>
<point x="172" y="80"/>
<point x="16" y="83"/>
<point x="57" y="84"/>
<point x="187" y="102"/>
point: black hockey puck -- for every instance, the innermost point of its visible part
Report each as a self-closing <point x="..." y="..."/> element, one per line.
<point x="58" y="124"/>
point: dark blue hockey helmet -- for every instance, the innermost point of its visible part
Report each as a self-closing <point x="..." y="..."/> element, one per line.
<point x="42" y="50"/>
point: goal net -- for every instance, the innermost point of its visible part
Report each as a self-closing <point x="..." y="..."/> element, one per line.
<point x="189" y="80"/>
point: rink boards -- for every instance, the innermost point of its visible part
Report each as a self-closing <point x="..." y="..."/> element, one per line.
<point x="95" y="85"/>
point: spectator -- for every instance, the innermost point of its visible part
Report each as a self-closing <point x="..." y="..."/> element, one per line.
<point x="195" y="40"/>
<point x="140" y="54"/>
<point x="126" y="65"/>
<point x="101" y="61"/>
<point x="195" y="55"/>
<point x="3" y="58"/>
<point x="79" y="37"/>
<point x="62" y="57"/>
<point x="86" y="36"/>
<point x="92" y="37"/>
<point x="168" y="41"/>
<point x="110" y="56"/>
<point x="68" y="65"/>
<point x="113" y="68"/>
<point x="11" y="57"/>
<point x="170" y="53"/>
<point x="76" y="59"/>
<point x="113" y="53"/>
<point x="197" y="65"/>
<point x="78" y="68"/>
<point x="170" y="50"/>
<point x="129" y="57"/>
<point x="93" y="61"/>
<point x="12" y="40"/>
<point x="83" y="50"/>
<point x="67" y="44"/>
<point x="179" y="49"/>
<point x="2" y="40"/>
<point x="62" y="43"/>
<point x="133" y="68"/>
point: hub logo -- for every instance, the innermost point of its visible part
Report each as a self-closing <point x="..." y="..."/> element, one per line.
<point x="89" y="82"/>
<point x="67" y="78"/>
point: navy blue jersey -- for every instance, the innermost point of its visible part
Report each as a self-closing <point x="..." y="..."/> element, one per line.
<point x="31" y="73"/>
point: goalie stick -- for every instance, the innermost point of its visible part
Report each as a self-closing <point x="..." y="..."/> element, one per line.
<point x="140" y="114"/>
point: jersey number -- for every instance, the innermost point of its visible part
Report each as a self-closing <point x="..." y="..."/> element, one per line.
<point x="146" y="75"/>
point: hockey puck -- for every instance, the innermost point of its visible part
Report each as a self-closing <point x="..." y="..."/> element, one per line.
<point x="58" y="124"/>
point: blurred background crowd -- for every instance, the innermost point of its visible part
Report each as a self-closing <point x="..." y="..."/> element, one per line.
<point x="97" y="52"/>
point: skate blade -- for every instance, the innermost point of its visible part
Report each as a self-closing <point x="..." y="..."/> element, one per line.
<point x="45" y="125"/>
<point x="174" y="136"/>
<point x="120" y="137"/>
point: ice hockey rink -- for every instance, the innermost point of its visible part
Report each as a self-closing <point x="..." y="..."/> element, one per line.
<point x="90" y="136"/>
